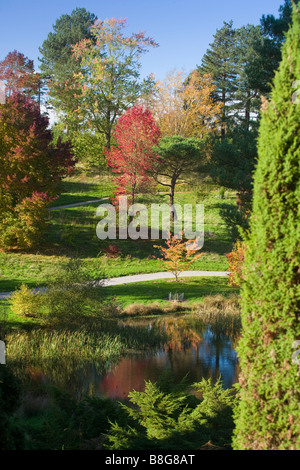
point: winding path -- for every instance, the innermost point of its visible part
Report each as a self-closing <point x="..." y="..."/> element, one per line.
<point x="75" y="204"/>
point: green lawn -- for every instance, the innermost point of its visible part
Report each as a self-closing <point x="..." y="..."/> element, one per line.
<point x="82" y="187"/>
<point x="72" y="232"/>
<point x="194" y="290"/>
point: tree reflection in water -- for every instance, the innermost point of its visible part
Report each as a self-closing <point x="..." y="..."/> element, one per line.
<point x="192" y="348"/>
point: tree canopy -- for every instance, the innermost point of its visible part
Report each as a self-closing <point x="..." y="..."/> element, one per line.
<point x="108" y="81"/>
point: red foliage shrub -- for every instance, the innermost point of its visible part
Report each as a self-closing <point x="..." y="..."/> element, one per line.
<point x="31" y="169"/>
<point x="113" y="251"/>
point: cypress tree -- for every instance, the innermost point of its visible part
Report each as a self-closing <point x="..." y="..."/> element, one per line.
<point x="268" y="414"/>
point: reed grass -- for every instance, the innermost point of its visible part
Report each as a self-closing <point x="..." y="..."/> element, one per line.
<point x="38" y="346"/>
<point x="221" y="314"/>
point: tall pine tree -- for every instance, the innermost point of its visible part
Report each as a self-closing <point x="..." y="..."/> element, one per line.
<point x="268" y="415"/>
<point x="57" y="59"/>
<point x="247" y="95"/>
<point x="58" y="63"/>
<point x="220" y="62"/>
<point x="269" y="50"/>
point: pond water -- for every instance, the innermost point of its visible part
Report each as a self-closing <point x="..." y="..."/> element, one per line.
<point x="186" y="348"/>
<point x="200" y="352"/>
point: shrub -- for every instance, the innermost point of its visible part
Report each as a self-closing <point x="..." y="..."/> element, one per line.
<point x="69" y="294"/>
<point x="176" y="257"/>
<point x="25" y="226"/>
<point x="25" y="302"/>
<point x="160" y="418"/>
<point x="236" y="259"/>
<point x="112" y="251"/>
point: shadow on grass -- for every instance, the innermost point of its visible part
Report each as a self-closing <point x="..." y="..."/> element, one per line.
<point x="77" y="191"/>
<point x="194" y="289"/>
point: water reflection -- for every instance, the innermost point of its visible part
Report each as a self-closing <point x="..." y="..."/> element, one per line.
<point x="192" y="348"/>
<point x="189" y="347"/>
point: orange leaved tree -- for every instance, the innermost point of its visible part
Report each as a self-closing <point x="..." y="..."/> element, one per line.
<point x="176" y="257"/>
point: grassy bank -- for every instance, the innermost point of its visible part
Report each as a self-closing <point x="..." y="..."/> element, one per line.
<point x="72" y="232"/>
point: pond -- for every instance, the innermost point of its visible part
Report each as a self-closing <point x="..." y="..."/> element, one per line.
<point x="192" y="350"/>
<point x="182" y="346"/>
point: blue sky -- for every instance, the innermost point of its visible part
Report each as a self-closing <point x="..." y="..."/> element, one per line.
<point x="183" y="28"/>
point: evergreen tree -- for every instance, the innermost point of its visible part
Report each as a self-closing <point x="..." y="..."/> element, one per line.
<point x="276" y="28"/>
<point x="220" y="62"/>
<point x="231" y="164"/>
<point x="268" y="415"/>
<point x="57" y="59"/>
<point x="249" y="76"/>
<point x="269" y="50"/>
<point x="58" y="63"/>
<point x="179" y="157"/>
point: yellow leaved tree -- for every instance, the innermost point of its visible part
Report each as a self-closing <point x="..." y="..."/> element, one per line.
<point x="185" y="107"/>
<point x="176" y="257"/>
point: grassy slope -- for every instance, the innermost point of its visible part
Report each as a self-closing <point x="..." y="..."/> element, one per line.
<point x="194" y="289"/>
<point x="72" y="232"/>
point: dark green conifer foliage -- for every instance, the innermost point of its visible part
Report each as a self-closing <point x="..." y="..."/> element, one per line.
<point x="268" y="415"/>
<point x="219" y="61"/>
<point x="57" y="60"/>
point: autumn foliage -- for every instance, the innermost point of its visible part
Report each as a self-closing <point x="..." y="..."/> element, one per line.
<point x="133" y="157"/>
<point x="236" y="259"/>
<point x="176" y="258"/>
<point x="31" y="169"/>
<point x="108" y="80"/>
<point x="17" y="71"/>
<point x="185" y="107"/>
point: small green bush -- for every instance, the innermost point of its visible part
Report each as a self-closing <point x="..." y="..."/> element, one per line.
<point x="159" y="419"/>
<point x="25" y="302"/>
<point x="69" y="294"/>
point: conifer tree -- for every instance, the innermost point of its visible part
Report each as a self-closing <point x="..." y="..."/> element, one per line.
<point x="219" y="61"/>
<point x="58" y="65"/>
<point x="268" y="415"/>
<point x="57" y="60"/>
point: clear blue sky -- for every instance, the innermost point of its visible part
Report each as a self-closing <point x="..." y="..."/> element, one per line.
<point x="183" y="28"/>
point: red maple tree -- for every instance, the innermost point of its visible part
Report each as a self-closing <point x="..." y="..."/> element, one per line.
<point x="31" y="169"/>
<point x="17" y="72"/>
<point x="133" y="157"/>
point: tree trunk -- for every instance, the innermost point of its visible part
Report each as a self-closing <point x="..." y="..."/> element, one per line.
<point x="132" y="200"/>
<point x="247" y="110"/>
<point x="108" y="139"/>
<point x="171" y="198"/>
<point x="223" y="120"/>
